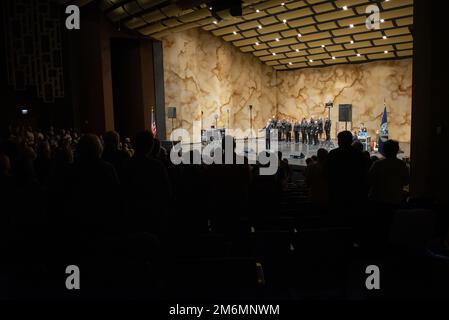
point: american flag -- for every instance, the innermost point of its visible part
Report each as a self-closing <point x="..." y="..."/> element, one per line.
<point x="153" y="123"/>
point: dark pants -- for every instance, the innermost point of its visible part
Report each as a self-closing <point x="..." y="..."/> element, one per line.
<point x="267" y="142"/>
<point x="328" y="135"/>
<point x="304" y="138"/>
<point x="289" y="137"/>
<point x="316" y="141"/>
<point x="296" y="137"/>
<point x="310" y="138"/>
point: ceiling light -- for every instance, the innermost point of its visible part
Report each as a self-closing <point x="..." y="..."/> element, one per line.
<point x="234" y="32"/>
<point x="260" y="27"/>
<point x="257" y="10"/>
<point x="257" y="43"/>
<point x="351" y="26"/>
<point x="282" y="4"/>
<point x="215" y="21"/>
<point x="297" y="50"/>
<point x="351" y="42"/>
<point x="358" y="54"/>
<point x="210" y="8"/>
<point x="386" y="51"/>
<point x="299" y="35"/>
<point x="323" y="46"/>
<point x="290" y="63"/>
<point x="333" y="58"/>
<point x="277" y="39"/>
<point x="274" y="53"/>
<point x="284" y="21"/>
<point x="310" y="60"/>
<point x="345" y="7"/>
<point x="384" y="37"/>
<point x="382" y="20"/>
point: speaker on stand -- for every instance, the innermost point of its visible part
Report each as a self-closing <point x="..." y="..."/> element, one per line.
<point x="345" y="114"/>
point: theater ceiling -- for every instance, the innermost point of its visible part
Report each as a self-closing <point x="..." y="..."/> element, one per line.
<point x="285" y="34"/>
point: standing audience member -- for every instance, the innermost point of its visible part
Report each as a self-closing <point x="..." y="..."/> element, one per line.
<point x="388" y="177"/>
<point x="345" y="172"/>
<point x="317" y="181"/>
<point x="113" y="154"/>
<point x="94" y="188"/>
<point x="147" y="188"/>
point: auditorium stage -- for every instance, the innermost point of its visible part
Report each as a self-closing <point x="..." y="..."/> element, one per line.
<point x="292" y="151"/>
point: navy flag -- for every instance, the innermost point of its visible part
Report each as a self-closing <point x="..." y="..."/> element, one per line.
<point x="383" y="132"/>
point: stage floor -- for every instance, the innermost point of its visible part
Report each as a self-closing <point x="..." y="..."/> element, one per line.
<point x="290" y="150"/>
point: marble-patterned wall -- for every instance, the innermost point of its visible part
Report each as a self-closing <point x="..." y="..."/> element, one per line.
<point x="204" y="73"/>
<point x="304" y="92"/>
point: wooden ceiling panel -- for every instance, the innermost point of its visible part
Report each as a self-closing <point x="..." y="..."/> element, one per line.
<point x="285" y="34"/>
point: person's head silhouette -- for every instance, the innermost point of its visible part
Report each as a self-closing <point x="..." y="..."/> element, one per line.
<point x="344" y="139"/>
<point x="390" y="149"/>
<point x="144" y="143"/>
<point x="111" y="140"/>
<point x="89" y="148"/>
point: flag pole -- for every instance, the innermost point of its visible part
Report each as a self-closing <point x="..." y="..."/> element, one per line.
<point x="153" y="122"/>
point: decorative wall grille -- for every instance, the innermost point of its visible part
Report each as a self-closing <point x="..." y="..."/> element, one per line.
<point x="32" y="33"/>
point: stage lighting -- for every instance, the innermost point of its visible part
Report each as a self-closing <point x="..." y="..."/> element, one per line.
<point x="24" y="111"/>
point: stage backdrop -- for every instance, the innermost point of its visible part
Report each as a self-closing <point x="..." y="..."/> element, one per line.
<point x="204" y="73"/>
<point x="304" y="92"/>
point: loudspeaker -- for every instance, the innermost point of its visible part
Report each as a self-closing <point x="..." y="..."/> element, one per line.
<point x="171" y="112"/>
<point x="345" y="113"/>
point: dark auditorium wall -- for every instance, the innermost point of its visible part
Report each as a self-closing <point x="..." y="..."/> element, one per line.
<point x="429" y="151"/>
<point x="88" y="102"/>
<point x="43" y="114"/>
<point x="92" y="78"/>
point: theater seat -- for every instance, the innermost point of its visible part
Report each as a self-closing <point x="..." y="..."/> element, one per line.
<point x="412" y="228"/>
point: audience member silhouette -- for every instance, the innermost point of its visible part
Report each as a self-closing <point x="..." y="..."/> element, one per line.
<point x="345" y="172"/>
<point x="43" y="163"/>
<point x="388" y="177"/>
<point x="113" y="154"/>
<point x="94" y="188"/>
<point x="147" y="188"/>
<point x="316" y="180"/>
<point x="230" y="182"/>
